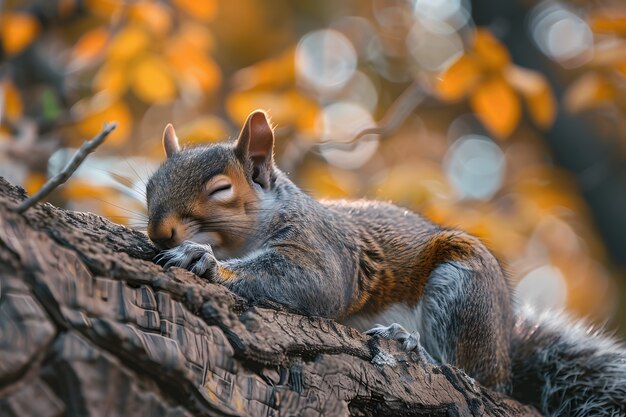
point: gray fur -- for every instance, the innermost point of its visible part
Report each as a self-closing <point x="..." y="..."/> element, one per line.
<point x="323" y="258"/>
<point x="566" y="368"/>
<point x="433" y="318"/>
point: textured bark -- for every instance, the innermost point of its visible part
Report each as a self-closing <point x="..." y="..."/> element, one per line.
<point x="90" y="326"/>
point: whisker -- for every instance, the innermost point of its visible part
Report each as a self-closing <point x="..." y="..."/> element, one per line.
<point x="141" y="215"/>
<point x="136" y="173"/>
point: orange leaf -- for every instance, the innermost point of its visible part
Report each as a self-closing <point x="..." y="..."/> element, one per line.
<point x="105" y="8"/>
<point x="489" y="50"/>
<point x="79" y="189"/>
<point x="204" y="10"/>
<point x="608" y="21"/>
<point x="91" y="44"/>
<point x="18" y="30"/>
<point x="270" y="73"/>
<point x="202" y="130"/>
<point x="497" y="106"/>
<point x="128" y="43"/>
<point x="13" y="106"/>
<point x="193" y="67"/>
<point x="111" y="78"/>
<point x="99" y="110"/>
<point x="458" y="79"/>
<point x="33" y="182"/>
<point x="589" y="91"/>
<point x="156" y="16"/>
<point x="152" y="81"/>
<point x="536" y="93"/>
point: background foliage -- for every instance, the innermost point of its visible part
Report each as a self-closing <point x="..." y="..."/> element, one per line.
<point x="504" y="118"/>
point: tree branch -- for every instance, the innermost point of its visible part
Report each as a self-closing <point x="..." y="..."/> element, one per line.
<point x="95" y="325"/>
<point x="60" y="178"/>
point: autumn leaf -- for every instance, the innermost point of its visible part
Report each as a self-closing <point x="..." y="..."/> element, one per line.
<point x="105" y="8"/>
<point x="111" y="78"/>
<point x="202" y="130"/>
<point x="489" y="50"/>
<point x="194" y="68"/>
<point x="589" y="91"/>
<point x="18" y="30"/>
<point x="90" y="45"/>
<point x="204" y="10"/>
<point x="276" y="72"/>
<point x="535" y="92"/>
<point x="13" y="106"/>
<point x="456" y="81"/>
<point x="128" y="43"/>
<point x="286" y="109"/>
<point x="33" y="182"/>
<point x="608" y="21"/>
<point x="151" y="80"/>
<point x="156" y="16"/>
<point x="497" y="106"/>
<point x="95" y="112"/>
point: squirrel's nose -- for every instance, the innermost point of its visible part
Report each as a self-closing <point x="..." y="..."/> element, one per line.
<point x="164" y="234"/>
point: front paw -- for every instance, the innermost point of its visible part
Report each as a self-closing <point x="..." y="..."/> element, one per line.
<point x="192" y="256"/>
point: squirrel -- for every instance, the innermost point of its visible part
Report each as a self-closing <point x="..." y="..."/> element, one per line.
<point x="226" y="212"/>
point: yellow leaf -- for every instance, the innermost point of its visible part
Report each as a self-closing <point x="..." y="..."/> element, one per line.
<point x="13" y="106"/>
<point x="128" y="43"/>
<point x="497" y="106"/>
<point x="155" y="16"/>
<point x="91" y="44"/>
<point x="589" y="91"/>
<point x="111" y="79"/>
<point x="151" y="80"/>
<point x="536" y="93"/>
<point x="18" y="30"/>
<point x="204" y="10"/>
<point x="93" y="113"/>
<point x="458" y="79"/>
<point x="489" y="50"/>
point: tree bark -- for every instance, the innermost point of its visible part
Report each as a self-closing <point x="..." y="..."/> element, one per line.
<point x="90" y="326"/>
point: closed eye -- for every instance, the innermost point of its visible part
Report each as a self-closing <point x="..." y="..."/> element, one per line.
<point x="220" y="189"/>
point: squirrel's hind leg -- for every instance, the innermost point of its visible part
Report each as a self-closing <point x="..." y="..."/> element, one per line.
<point x="410" y="341"/>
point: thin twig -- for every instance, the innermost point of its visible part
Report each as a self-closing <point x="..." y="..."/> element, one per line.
<point x="60" y="178"/>
<point x="393" y="118"/>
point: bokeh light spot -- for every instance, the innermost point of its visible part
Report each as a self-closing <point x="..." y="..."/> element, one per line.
<point x="475" y="166"/>
<point x="325" y="60"/>
<point x="340" y="122"/>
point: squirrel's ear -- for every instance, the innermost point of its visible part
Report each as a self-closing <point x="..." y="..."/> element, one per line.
<point x="256" y="143"/>
<point x="170" y="141"/>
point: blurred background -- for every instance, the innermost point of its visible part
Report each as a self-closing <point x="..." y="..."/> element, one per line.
<point x="503" y="118"/>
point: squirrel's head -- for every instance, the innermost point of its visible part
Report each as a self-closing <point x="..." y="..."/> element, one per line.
<point x="212" y="194"/>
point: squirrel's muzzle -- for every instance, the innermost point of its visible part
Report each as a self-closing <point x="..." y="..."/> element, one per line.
<point x="165" y="233"/>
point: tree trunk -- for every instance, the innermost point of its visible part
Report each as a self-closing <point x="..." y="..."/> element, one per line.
<point x="90" y="326"/>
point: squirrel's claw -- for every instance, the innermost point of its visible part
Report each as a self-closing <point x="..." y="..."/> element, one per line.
<point x="410" y="341"/>
<point x="192" y="256"/>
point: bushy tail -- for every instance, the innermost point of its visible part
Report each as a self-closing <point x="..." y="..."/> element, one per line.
<point x="567" y="369"/>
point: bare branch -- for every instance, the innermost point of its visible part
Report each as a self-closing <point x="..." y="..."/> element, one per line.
<point x="396" y="114"/>
<point x="78" y="158"/>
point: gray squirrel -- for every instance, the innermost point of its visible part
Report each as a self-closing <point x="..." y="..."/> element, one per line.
<point x="225" y="212"/>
